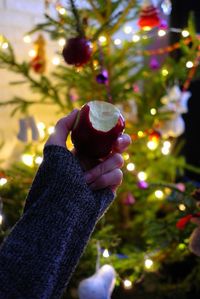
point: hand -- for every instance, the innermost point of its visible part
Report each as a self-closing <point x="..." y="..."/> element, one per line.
<point x="98" y="174"/>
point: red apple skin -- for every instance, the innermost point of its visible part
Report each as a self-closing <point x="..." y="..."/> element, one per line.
<point x="91" y="142"/>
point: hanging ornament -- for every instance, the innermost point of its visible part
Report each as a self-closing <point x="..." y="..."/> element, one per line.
<point x="77" y="51"/>
<point x="154" y="64"/>
<point x="174" y="127"/>
<point x="175" y="102"/>
<point x="98" y="286"/>
<point x="142" y="185"/>
<point x="38" y="63"/>
<point x="129" y="199"/>
<point x="129" y="110"/>
<point x="24" y="125"/>
<point x="102" y="77"/>
<point x="166" y="7"/>
<point x="154" y="135"/>
<point x="148" y="16"/>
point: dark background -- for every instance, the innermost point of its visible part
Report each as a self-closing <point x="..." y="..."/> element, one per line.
<point x="179" y="19"/>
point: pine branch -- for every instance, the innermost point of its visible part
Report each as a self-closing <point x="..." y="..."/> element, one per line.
<point x="79" y="26"/>
<point x="123" y="16"/>
<point x="96" y="12"/>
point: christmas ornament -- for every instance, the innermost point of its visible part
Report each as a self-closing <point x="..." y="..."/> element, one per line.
<point x="174" y="102"/>
<point x="194" y="242"/>
<point x="102" y="78"/>
<point x="98" y="286"/>
<point x="148" y="16"/>
<point x="166" y="6"/>
<point x="38" y="63"/>
<point x="154" y="64"/>
<point x="154" y="135"/>
<point x="77" y="51"/>
<point x="182" y="222"/>
<point x="129" y="110"/>
<point x="98" y="124"/>
<point x="129" y="199"/>
<point x="142" y="185"/>
<point x="24" y="125"/>
<point x="174" y="127"/>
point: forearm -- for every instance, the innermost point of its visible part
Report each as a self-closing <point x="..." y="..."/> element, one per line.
<point x="39" y="256"/>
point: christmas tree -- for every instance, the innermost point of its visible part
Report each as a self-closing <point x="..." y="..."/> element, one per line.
<point x="145" y="235"/>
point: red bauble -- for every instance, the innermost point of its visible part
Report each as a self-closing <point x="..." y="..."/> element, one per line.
<point x="154" y="136"/>
<point x="149" y="16"/>
<point x="77" y="51"/>
<point x="97" y="127"/>
<point x="38" y="64"/>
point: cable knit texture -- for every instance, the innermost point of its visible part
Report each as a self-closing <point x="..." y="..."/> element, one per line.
<point x="39" y="256"/>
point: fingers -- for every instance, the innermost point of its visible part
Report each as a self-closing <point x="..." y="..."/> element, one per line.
<point x="122" y="143"/>
<point x="108" y="165"/>
<point x="62" y="129"/>
<point x="110" y="179"/>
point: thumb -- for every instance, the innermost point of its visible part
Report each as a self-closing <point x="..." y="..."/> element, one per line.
<point x="62" y="129"/>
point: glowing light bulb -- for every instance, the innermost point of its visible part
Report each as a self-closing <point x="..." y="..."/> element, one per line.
<point x="185" y="33"/>
<point x="61" y="42"/>
<point x="165" y="151"/>
<point x="27" y="39"/>
<point x="127" y="29"/>
<point x="4" y="45"/>
<point x="153" y="111"/>
<point x="125" y="156"/>
<point x="146" y="28"/>
<point x="41" y="128"/>
<point x="38" y="160"/>
<point x="161" y="32"/>
<point x="127" y="284"/>
<point x="102" y="39"/>
<point x="61" y="10"/>
<point x="167" y="144"/>
<point x="152" y="145"/>
<point x="3" y="181"/>
<point x="130" y="166"/>
<point x="32" y="53"/>
<point x="181" y="246"/>
<point x="27" y="159"/>
<point x="140" y="134"/>
<point x="164" y="72"/>
<point x="182" y="207"/>
<point x="56" y="60"/>
<point x="142" y="176"/>
<point x="159" y="194"/>
<point x="106" y="253"/>
<point x="135" y="38"/>
<point x="117" y="41"/>
<point x="189" y="64"/>
<point x="51" y="130"/>
<point x="148" y="263"/>
<point x="1" y="219"/>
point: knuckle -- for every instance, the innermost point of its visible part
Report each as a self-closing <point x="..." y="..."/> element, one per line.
<point x="118" y="176"/>
<point x="119" y="161"/>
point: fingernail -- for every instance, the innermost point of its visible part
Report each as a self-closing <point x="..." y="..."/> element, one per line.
<point x="88" y="177"/>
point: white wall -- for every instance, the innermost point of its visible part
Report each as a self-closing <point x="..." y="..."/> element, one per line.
<point x="16" y="18"/>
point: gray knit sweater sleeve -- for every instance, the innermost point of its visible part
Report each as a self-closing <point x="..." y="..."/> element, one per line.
<point x="39" y="256"/>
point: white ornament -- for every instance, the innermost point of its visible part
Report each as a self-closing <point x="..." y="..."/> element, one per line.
<point x="166" y="7"/>
<point x="129" y="110"/>
<point x="173" y="127"/>
<point x="98" y="286"/>
<point x="175" y="101"/>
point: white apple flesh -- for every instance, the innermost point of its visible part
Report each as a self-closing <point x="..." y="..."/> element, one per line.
<point x="97" y="127"/>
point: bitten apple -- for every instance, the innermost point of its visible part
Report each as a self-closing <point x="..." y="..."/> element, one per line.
<point x="97" y="127"/>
